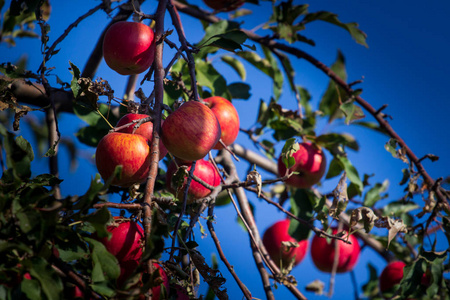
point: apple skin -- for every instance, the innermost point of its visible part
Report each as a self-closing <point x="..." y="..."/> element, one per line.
<point x="322" y="253"/>
<point x="228" y="118"/>
<point x="224" y="5"/>
<point x="126" y="240"/>
<point x="310" y="161"/>
<point x="146" y="130"/>
<point x="156" y="290"/>
<point x="203" y="170"/>
<point x="132" y="151"/>
<point x="129" y="47"/>
<point x="191" y="131"/>
<point x="392" y="274"/>
<point x="272" y="239"/>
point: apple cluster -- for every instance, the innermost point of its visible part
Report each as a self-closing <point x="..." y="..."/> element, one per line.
<point x="125" y="243"/>
<point x="286" y="251"/>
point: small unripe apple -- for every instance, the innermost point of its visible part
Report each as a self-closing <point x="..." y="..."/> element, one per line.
<point x="191" y="131"/>
<point x="145" y="129"/>
<point x="392" y="274"/>
<point x="131" y="151"/>
<point x="129" y="47"/>
<point x="310" y="162"/>
<point x="224" y="5"/>
<point x="126" y="240"/>
<point x="322" y="253"/>
<point x="228" y="118"/>
<point x="273" y="238"/>
<point x="204" y="170"/>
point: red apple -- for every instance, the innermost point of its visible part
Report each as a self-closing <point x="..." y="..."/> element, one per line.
<point x="191" y="131"/>
<point x="272" y="240"/>
<point x="224" y="5"/>
<point x="393" y="274"/>
<point x="204" y="170"/>
<point x="310" y="162"/>
<point x="228" y="119"/>
<point x="145" y="129"/>
<point x="126" y="240"/>
<point x="322" y="253"/>
<point x="129" y="47"/>
<point x="129" y="150"/>
<point x="156" y="290"/>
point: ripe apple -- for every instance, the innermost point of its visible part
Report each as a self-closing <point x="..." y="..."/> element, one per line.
<point x="191" y="131"/>
<point x="203" y="170"/>
<point x="129" y="150"/>
<point x="310" y="162"/>
<point x="393" y="274"/>
<point x="228" y="119"/>
<point x="272" y="240"/>
<point x="322" y="253"/>
<point x="224" y="5"/>
<point x="145" y="129"/>
<point x="129" y="47"/>
<point x="126" y="240"/>
<point x="156" y="290"/>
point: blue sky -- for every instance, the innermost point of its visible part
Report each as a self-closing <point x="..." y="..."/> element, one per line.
<point x="405" y="67"/>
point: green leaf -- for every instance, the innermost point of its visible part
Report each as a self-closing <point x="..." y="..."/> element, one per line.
<point x="106" y="265"/>
<point x="373" y="195"/>
<point x="49" y="280"/>
<point x="75" y="87"/>
<point x="351" y="171"/>
<point x="332" y="140"/>
<point x="208" y="76"/>
<point x="290" y="147"/>
<point x="333" y="96"/>
<point x="230" y="40"/>
<point x="358" y="35"/>
<point x="263" y="113"/>
<point x="266" y="65"/>
<point x="370" y="289"/>
<point x="301" y="206"/>
<point x="236" y="65"/>
<point x="25" y="146"/>
<point x="239" y="90"/>
<point x="99" y="219"/>
<point x="31" y="288"/>
<point x="352" y="111"/>
<point x="397" y="208"/>
<point x="334" y="169"/>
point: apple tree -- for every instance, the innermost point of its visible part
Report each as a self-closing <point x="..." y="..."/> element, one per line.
<point x="172" y="150"/>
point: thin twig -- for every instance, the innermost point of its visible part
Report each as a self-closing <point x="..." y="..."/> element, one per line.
<point x="50" y="50"/>
<point x="241" y="285"/>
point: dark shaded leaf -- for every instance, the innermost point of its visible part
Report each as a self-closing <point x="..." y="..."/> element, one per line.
<point x="374" y="194"/>
<point x="357" y="34"/>
<point x="236" y="65"/>
<point x="239" y="90"/>
<point x="301" y="206"/>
